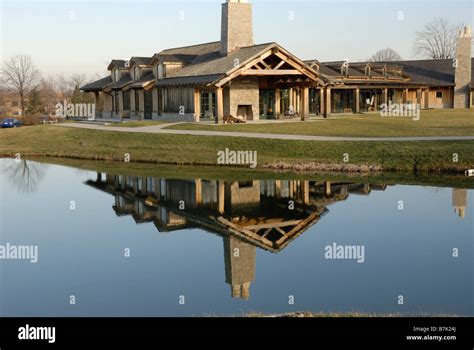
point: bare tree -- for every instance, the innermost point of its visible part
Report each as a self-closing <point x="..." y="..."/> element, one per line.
<point x="385" y="55"/>
<point x="20" y="76"/>
<point x="437" y="40"/>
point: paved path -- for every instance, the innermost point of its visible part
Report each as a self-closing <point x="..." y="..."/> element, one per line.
<point x="159" y="129"/>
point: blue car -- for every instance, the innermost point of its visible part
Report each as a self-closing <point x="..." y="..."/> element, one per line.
<point x="11" y="123"/>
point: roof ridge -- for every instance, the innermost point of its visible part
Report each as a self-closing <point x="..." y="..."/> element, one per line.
<point x="188" y="46"/>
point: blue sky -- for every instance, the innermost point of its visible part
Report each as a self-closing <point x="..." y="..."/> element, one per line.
<point x="83" y="36"/>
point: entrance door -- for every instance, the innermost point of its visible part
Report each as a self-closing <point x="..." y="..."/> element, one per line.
<point x="148" y="101"/>
<point x="267" y="104"/>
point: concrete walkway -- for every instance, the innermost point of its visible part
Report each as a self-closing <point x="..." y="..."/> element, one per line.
<point x="159" y="129"/>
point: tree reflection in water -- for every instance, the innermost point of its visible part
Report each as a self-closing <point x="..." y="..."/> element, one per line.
<point x="25" y="175"/>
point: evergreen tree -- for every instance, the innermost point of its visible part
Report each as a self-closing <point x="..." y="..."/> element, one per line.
<point x="35" y="105"/>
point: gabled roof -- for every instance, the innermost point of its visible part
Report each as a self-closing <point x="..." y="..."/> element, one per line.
<point x="97" y="85"/>
<point x="117" y="64"/>
<point x="141" y="61"/>
<point x="214" y="65"/>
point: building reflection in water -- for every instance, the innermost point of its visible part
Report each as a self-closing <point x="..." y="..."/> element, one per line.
<point x="460" y="202"/>
<point x="265" y="214"/>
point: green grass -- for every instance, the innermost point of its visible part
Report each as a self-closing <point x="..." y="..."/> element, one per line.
<point x="58" y="141"/>
<point x="136" y="124"/>
<point x="443" y="122"/>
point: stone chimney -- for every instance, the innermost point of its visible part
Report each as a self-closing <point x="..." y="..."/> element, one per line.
<point x="237" y="25"/>
<point x="463" y="69"/>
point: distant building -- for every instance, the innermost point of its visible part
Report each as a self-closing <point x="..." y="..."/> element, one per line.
<point x="9" y="104"/>
<point x="234" y="76"/>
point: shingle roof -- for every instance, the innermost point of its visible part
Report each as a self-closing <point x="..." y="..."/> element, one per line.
<point x="124" y="81"/>
<point x="142" y="82"/>
<point x="141" y="61"/>
<point x="429" y="72"/>
<point x="211" y="64"/>
<point x="194" y="80"/>
<point x="194" y="50"/>
<point x="97" y="85"/>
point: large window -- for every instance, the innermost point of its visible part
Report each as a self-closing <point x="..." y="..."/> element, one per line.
<point x="285" y="101"/>
<point x="314" y="101"/>
<point x="208" y="104"/>
<point x="137" y="101"/>
<point x="126" y="100"/>
<point x="116" y="101"/>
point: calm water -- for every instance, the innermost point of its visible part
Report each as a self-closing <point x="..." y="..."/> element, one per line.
<point x="138" y="246"/>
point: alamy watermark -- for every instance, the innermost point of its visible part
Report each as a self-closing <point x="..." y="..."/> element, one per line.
<point x="81" y="110"/>
<point x="345" y="252"/>
<point x="410" y="110"/>
<point x="19" y="252"/>
<point x="229" y="157"/>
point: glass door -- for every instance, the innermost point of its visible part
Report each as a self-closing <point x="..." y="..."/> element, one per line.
<point x="267" y="104"/>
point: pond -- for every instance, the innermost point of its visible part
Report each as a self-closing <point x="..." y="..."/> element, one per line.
<point x="81" y="243"/>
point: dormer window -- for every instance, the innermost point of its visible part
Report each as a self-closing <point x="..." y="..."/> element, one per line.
<point x="367" y="71"/>
<point x="345" y="69"/>
<point x="161" y="70"/>
<point x="136" y="73"/>
<point x="115" y="75"/>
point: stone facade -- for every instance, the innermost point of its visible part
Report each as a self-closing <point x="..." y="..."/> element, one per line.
<point x="237" y="25"/>
<point x="463" y="69"/>
<point x="243" y="91"/>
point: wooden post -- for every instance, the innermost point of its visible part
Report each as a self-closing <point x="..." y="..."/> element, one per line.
<point x="328" y="102"/>
<point x="221" y="197"/>
<point x="290" y="96"/>
<point x="321" y="101"/>
<point x="305" y="190"/>
<point x="220" y="106"/>
<point x="405" y="95"/>
<point x="418" y="97"/>
<point x="197" y="105"/>
<point x="357" y="100"/>
<point x="198" y="188"/>
<point x="277" y="103"/>
<point x="328" y="188"/>
<point x="304" y="103"/>
<point x="385" y="96"/>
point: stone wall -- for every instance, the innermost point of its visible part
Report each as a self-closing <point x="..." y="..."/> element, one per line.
<point x="243" y="91"/>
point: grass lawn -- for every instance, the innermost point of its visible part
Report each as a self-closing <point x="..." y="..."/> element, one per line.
<point x="443" y="122"/>
<point x="58" y="141"/>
